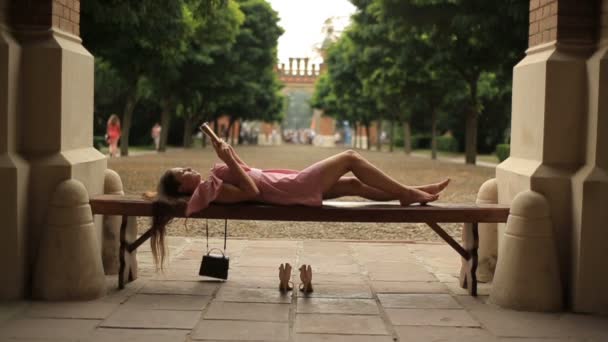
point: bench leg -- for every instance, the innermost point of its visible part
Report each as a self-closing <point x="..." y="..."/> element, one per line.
<point x="127" y="271"/>
<point x="468" y="270"/>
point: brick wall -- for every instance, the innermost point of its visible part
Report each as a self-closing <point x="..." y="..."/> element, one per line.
<point x="66" y="15"/>
<point x="572" y="21"/>
<point x="60" y="14"/>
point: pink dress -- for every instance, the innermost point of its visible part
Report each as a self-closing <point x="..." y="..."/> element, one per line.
<point x="277" y="186"/>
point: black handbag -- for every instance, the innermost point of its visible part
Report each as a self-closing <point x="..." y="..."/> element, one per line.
<point x="215" y="265"/>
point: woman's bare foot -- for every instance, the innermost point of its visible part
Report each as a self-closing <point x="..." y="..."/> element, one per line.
<point x="417" y="196"/>
<point x="434" y="188"/>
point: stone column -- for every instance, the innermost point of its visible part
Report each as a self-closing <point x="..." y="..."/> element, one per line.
<point x="290" y="66"/>
<point x="306" y="66"/>
<point x="14" y="170"/>
<point x="590" y="189"/>
<point x="548" y="129"/>
<point x="298" y="72"/>
<point x="49" y="96"/>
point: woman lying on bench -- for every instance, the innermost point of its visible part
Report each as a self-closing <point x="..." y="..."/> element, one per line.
<point x="235" y="181"/>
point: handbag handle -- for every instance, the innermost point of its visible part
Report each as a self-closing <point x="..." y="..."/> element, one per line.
<point x="217" y="249"/>
<point x="225" y="235"/>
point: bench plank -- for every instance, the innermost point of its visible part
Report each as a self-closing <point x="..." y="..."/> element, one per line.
<point x="331" y="211"/>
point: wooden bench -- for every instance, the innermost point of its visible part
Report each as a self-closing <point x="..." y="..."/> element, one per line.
<point x="331" y="211"/>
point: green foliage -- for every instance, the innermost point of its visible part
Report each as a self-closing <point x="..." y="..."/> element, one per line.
<point x="447" y="144"/>
<point x="433" y="63"/>
<point x="503" y="151"/>
<point x="192" y="60"/>
<point x="421" y="141"/>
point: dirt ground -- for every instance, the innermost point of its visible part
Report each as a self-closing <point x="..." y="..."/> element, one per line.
<point x="139" y="173"/>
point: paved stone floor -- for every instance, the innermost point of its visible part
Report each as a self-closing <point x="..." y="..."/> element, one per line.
<point x="372" y="292"/>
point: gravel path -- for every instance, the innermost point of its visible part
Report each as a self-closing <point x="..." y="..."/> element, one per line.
<point x="140" y="173"/>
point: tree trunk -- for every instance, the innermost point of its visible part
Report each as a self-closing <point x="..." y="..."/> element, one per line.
<point x="165" y="121"/>
<point x="188" y="124"/>
<point x="238" y="133"/>
<point x="433" y="133"/>
<point x="355" y="134"/>
<point x="471" y="125"/>
<point x="379" y="136"/>
<point x="391" y="135"/>
<point x="216" y="129"/>
<point x="407" y="137"/>
<point x="126" y="121"/>
<point x="230" y="136"/>
<point x="369" y="141"/>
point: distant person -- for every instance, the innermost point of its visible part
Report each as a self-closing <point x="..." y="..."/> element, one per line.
<point x="113" y="134"/>
<point x="156" y="129"/>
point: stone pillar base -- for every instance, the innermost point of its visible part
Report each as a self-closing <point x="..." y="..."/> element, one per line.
<point x="68" y="265"/>
<point x="527" y="274"/>
<point x="488" y="243"/>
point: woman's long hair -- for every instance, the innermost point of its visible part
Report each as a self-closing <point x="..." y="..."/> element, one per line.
<point x="167" y="196"/>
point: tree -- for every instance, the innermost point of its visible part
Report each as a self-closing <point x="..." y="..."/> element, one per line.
<point x="132" y="36"/>
<point x="465" y="34"/>
<point x="254" y="91"/>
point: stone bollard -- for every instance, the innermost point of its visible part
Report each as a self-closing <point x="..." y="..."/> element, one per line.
<point x="111" y="227"/>
<point x="68" y="265"/>
<point x="488" y="238"/>
<point x="527" y="274"/>
<point x="110" y="233"/>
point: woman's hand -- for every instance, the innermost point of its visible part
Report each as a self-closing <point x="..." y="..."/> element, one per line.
<point x="224" y="151"/>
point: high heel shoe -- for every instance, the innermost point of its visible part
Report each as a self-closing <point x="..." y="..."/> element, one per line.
<point x="284" y="275"/>
<point x="306" y="278"/>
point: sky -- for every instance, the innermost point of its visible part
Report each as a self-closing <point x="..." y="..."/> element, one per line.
<point x="303" y="25"/>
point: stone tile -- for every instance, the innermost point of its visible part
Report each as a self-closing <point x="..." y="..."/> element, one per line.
<point x="434" y="317"/>
<point x="392" y="266"/>
<point x="253" y="295"/>
<point x="265" y="262"/>
<point x="334" y="268"/>
<point x="167" y="302"/>
<point x="248" y="311"/>
<point x="240" y="331"/>
<point x="194" y="288"/>
<point x="116" y="295"/>
<point x="510" y="323"/>
<point x="9" y="309"/>
<point x="325" y="278"/>
<point x="409" y="287"/>
<point x="338" y="305"/>
<point x="483" y="289"/>
<point x="565" y="339"/>
<point x="258" y="271"/>
<point x="338" y="291"/>
<point x="242" y="281"/>
<point x="426" y="334"/>
<point x="78" y="310"/>
<point x="48" y="329"/>
<point x="137" y="335"/>
<point x="180" y="275"/>
<point x="340" y="324"/>
<point x="152" y="319"/>
<point x="341" y="338"/>
<point x="278" y="252"/>
<point x="324" y="259"/>
<point x="418" y="301"/>
<point x="402" y="276"/>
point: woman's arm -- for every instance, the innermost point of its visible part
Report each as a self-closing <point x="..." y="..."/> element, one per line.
<point x="237" y="158"/>
<point x="245" y="183"/>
